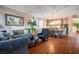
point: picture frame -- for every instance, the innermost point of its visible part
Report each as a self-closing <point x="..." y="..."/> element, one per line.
<point x="12" y="20"/>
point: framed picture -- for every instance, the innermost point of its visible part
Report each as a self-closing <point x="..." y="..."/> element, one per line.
<point x="12" y="20"/>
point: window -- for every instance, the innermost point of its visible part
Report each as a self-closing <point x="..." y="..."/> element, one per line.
<point x="41" y="23"/>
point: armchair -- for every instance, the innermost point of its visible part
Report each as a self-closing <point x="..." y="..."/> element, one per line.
<point x="44" y="34"/>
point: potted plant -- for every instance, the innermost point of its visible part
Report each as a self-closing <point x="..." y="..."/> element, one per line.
<point x="32" y="24"/>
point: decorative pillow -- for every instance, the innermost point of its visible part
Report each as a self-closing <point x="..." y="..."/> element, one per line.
<point x="10" y="32"/>
<point x="26" y="31"/>
<point x="15" y="33"/>
<point x="4" y="35"/>
<point x="1" y="36"/>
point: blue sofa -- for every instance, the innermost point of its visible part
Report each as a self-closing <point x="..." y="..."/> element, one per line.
<point x="20" y="33"/>
<point x="17" y="44"/>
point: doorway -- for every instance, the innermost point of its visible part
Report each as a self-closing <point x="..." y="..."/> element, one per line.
<point x="75" y="27"/>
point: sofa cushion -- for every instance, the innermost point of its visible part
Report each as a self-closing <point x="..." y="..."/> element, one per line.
<point x="18" y="32"/>
<point x="5" y="47"/>
<point x="11" y="45"/>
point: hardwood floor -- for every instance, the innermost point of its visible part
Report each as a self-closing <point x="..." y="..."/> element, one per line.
<point x="57" y="46"/>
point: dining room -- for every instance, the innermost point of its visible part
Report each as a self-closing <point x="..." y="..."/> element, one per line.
<point x="57" y="27"/>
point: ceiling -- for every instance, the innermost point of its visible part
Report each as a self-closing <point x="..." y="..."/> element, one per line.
<point x="46" y="10"/>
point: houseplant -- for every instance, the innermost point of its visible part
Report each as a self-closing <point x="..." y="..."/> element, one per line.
<point x="32" y="24"/>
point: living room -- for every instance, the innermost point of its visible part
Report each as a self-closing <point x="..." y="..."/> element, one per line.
<point x="35" y="29"/>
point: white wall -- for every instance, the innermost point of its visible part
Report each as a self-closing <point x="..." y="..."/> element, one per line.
<point x="4" y="10"/>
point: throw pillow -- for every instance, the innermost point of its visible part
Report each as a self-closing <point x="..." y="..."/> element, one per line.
<point x="3" y="37"/>
<point x="10" y="32"/>
<point x="26" y="31"/>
